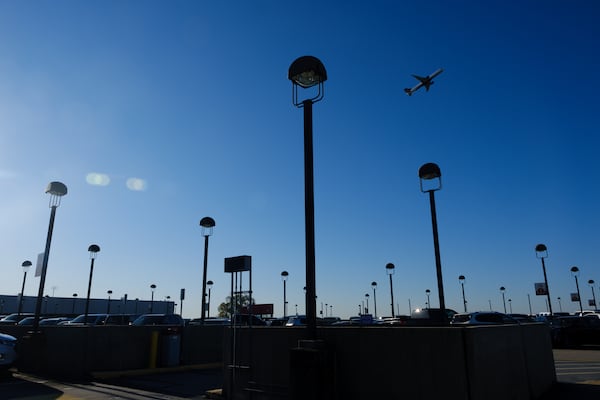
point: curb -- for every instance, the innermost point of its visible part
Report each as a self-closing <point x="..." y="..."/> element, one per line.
<point x="152" y="371"/>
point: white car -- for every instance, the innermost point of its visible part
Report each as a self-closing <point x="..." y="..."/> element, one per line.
<point x="8" y="355"/>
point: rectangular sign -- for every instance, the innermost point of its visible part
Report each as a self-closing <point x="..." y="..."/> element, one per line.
<point x="541" y="289"/>
<point x="259" y="309"/>
<point x="574" y="296"/>
<point x="39" y="265"/>
<point x="182" y="294"/>
<point x="238" y="264"/>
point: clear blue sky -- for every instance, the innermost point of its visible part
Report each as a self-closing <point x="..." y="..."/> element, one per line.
<point x="192" y="99"/>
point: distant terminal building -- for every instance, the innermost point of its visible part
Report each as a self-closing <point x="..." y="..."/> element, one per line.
<point x="71" y="306"/>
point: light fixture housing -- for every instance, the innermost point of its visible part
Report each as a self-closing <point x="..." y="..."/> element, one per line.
<point x="306" y="72"/>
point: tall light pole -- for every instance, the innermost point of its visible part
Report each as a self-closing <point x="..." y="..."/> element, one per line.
<point x="559" y="304"/>
<point x="591" y="283"/>
<point x="26" y="265"/>
<point x="152" y="289"/>
<point x="307" y="72"/>
<point x="207" y="224"/>
<point x="389" y="269"/>
<point x="427" y="293"/>
<point x="367" y="299"/>
<point x="510" y="305"/>
<point x="430" y="172"/>
<point x="284" y="277"/>
<point x="374" y="286"/>
<point x="209" y="285"/>
<point x="109" y="292"/>
<point x="93" y="250"/>
<point x="502" y="290"/>
<point x="56" y="191"/>
<point x="575" y="273"/>
<point x="74" y="300"/>
<point x="541" y="252"/>
<point x="461" y="279"/>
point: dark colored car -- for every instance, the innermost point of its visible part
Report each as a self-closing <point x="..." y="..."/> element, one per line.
<point x="14" y="319"/>
<point x="158" y="319"/>
<point x="430" y="317"/>
<point x="482" y="318"/>
<point x="575" y="331"/>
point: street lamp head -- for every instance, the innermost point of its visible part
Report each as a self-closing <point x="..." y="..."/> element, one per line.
<point x="502" y="289"/>
<point x="389" y="268"/>
<point x="427" y="291"/>
<point x="74" y="294"/>
<point x="153" y="286"/>
<point x="209" y="284"/>
<point x="284" y="275"/>
<point x="429" y="172"/>
<point x="56" y="191"/>
<point x="367" y="295"/>
<point x="26" y="265"/>
<point x="574" y="271"/>
<point x="461" y="279"/>
<point x="374" y="285"/>
<point x="541" y="251"/>
<point x="207" y="224"/>
<point x="591" y="282"/>
<point x="93" y="249"/>
<point x="306" y="72"/>
<point x="109" y="292"/>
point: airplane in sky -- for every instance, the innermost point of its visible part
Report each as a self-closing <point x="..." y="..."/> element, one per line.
<point x="423" y="81"/>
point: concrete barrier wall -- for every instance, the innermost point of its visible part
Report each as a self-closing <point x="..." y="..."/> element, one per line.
<point x="496" y="362"/>
<point x="77" y="351"/>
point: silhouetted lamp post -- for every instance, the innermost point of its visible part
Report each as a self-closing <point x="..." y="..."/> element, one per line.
<point x="559" y="304"/>
<point x="427" y="293"/>
<point x="575" y="273"/>
<point x="510" y="305"/>
<point x="541" y="252"/>
<point x="93" y="249"/>
<point x="367" y="300"/>
<point x="209" y="285"/>
<point x="461" y="279"/>
<point x="307" y="72"/>
<point x="591" y="283"/>
<point x="284" y="277"/>
<point x="207" y="224"/>
<point x="56" y="191"/>
<point x="74" y="300"/>
<point x="374" y="286"/>
<point x="389" y="269"/>
<point x="109" y="292"/>
<point x="502" y="290"/>
<point x="26" y="265"/>
<point x="430" y="172"/>
<point x="152" y="289"/>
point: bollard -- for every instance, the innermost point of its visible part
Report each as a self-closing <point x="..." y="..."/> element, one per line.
<point x="153" y="349"/>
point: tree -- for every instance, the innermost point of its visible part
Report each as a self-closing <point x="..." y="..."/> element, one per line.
<point x="239" y="302"/>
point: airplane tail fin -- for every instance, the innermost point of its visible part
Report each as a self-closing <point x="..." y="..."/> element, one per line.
<point x="408" y="91"/>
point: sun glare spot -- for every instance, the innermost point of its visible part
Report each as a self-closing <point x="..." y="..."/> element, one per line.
<point x="96" y="179"/>
<point x="136" y="184"/>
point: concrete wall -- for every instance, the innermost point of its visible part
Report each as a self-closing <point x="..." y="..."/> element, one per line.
<point x="496" y="362"/>
<point x="77" y="351"/>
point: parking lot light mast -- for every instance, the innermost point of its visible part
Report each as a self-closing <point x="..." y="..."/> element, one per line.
<point x="374" y="286"/>
<point x="307" y="72"/>
<point x="367" y="300"/>
<point x="56" y="190"/>
<point x="109" y="292"/>
<point x="284" y="277"/>
<point x="502" y="290"/>
<point x="461" y="279"/>
<point x="427" y="293"/>
<point x="575" y="273"/>
<point x="389" y="269"/>
<point x="209" y="285"/>
<point x="541" y="252"/>
<point x="591" y="283"/>
<point x="93" y="250"/>
<point x="207" y="224"/>
<point x="559" y="304"/>
<point x="152" y="289"/>
<point x="26" y="265"/>
<point x="74" y="300"/>
<point x="430" y="172"/>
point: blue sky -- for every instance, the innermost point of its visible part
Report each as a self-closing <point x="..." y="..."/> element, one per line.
<point x="191" y="99"/>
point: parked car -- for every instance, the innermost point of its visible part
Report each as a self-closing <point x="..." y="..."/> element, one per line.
<point x="8" y="354"/>
<point x="54" y="320"/>
<point x="209" y="321"/>
<point x="430" y="316"/>
<point x="158" y="319"/>
<point x="575" y="331"/>
<point x="101" y="319"/>
<point x="482" y="318"/>
<point x="13" y="319"/>
<point x="248" y="319"/>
